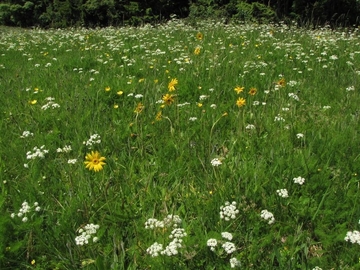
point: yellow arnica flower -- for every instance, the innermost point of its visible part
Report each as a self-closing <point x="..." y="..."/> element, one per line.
<point x="239" y="89"/>
<point x="281" y="82"/>
<point x="240" y="102"/>
<point x="158" y="116"/>
<point x="172" y="84"/>
<point x="253" y="91"/>
<point x="197" y="50"/>
<point x="94" y="161"/>
<point x="139" y="108"/>
<point x="107" y="88"/>
<point x="168" y="99"/>
<point x="199" y="36"/>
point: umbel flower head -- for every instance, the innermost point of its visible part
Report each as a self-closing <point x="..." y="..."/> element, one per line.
<point x="94" y="161"/>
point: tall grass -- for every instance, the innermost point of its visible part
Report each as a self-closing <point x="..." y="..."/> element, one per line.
<point x="192" y="158"/>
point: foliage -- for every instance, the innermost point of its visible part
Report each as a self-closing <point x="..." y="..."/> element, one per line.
<point x="222" y="143"/>
<point x="91" y="13"/>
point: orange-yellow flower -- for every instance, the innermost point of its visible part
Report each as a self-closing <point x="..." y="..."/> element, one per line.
<point x="94" y="161"/>
<point x="240" y="102"/>
<point x="239" y="89"/>
<point x="252" y="91"/>
<point x="168" y="99"/>
<point x="199" y="36"/>
<point x="281" y="82"/>
<point x="197" y="50"/>
<point x="172" y="84"/>
<point x="139" y="108"/>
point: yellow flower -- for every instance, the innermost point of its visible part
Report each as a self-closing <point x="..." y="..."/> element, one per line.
<point x="172" y="84"/>
<point x="252" y="91"/>
<point x="281" y="82"/>
<point x="32" y="102"/>
<point x="141" y="80"/>
<point x="240" y="102"/>
<point x="168" y="99"/>
<point x="197" y="50"/>
<point x="116" y="106"/>
<point x="107" y="88"/>
<point x="199" y="36"/>
<point x="199" y="104"/>
<point x="120" y="93"/>
<point x="33" y="262"/>
<point x="156" y="81"/>
<point x="239" y="89"/>
<point x="139" y="108"/>
<point x="94" y="161"/>
<point x="158" y="116"/>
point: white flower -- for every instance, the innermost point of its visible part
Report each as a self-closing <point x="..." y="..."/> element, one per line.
<point x="72" y="161"/>
<point x="25" y="219"/>
<point x="152" y="223"/>
<point x="192" y="119"/>
<point x="154" y="249"/>
<point x="299" y="135"/>
<point x="350" y="88"/>
<point x="229" y="247"/>
<point x="353" y="237"/>
<point x="216" y="162"/>
<point x="265" y="214"/>
<point x="250" y="126"/>
<point x="138" y="96"/>
<point x="212" y="243"/>
<point x="278" y="118"/>
<point x="282" y="193"/>
<point x="228" y="211"/>
<point x="213" y="106"/>
<point x="227" y="235"/>
<point x="234" y="262"/>
<point x="317" y="268"/>
<point x="299" y="180"/>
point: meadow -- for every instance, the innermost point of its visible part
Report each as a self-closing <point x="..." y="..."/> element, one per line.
<point x="180" y="146"/>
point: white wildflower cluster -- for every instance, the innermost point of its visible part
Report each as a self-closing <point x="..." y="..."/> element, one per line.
<point x="317" y="268"/>
<point x="50" y="104"/>
<point x="265" y="214"/>
<point x="26" y="134"/>
<point x="299" y="135"/>
<point x="25" y="209"/>
<point x="192" y="119"/>
<point x="279" y="118"/>
<point x="87" y="233"/>
<point x="228" y="211"/>
<point x="292" y="83"/>
<point x="250" y="126"/>
<point x="72" y="161"/>
<point x="94" y="139"/>
<point x="226" y="246"/>
<point x="353" y="237"/>
<point x="299" y="180"/>
<point x="176" y="235"/>
<point x="37" y="153"/>
<point x="234" y="263"/>
<point x="350" y="88"/>
<point x="65" y="149"/>
<point x="283" y="193"/>
<point x="294" y="96"/>
<point x="216" y="162"/>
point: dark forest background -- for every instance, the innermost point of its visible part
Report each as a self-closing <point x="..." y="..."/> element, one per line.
<point x="94" y="13"/>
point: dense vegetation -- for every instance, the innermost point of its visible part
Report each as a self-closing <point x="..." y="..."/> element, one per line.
<point x="90" y="13"/>
<point x="180" y="147"/>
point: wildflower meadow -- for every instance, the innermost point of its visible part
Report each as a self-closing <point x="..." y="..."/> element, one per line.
<point x="180" y="146"/>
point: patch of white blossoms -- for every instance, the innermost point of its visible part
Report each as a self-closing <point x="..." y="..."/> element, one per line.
<point x="228" y="211"/>
<point x="65" y="149"/>
<point x="26" y="134"/>
<point x="353" y="237"/>
<point x="268" y="216"/>
<point x="177" y="234"/>
<point x="50" y="104"/>
<point x="283" y="193"/>
<point x="26" y="209"/>
<point x="216" y="162"/>
<point x="94" y="139"/>
<point x="299" y="180"/>
<point x="37" y="153"/>
<point x="86" y="233"/>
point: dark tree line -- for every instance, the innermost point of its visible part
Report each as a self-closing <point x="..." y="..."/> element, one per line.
<point x="90" y="13"/>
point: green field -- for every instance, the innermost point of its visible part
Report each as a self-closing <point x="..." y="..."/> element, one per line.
<point x="179" y="146"/>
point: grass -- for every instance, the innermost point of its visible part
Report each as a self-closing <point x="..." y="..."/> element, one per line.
<point x="65" y="86"/>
